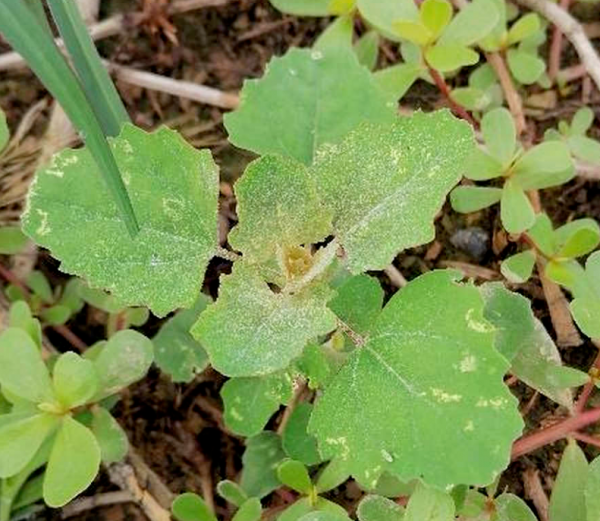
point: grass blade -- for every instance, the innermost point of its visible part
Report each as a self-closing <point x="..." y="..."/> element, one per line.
<point x="21" y="28"/>
<point x="96" y="82"/>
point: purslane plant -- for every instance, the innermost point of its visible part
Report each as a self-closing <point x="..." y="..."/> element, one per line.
<point x="542" y="166"/>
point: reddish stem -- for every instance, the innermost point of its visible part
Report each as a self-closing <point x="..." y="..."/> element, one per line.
<point x="587" y="388"/>
<point x="538" y="439"/>
<point x="556" y="46"/>
<point x="586" y="438"/>
<point x="62" y="330"/>
<point x="445" y="90"/>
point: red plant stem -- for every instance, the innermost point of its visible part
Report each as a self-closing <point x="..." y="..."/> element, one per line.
<point x="445" y="90"/>
<point x="556" y="46"/>
<point x="62" y="330"/>
<point x="587" y="388"/>
<point x="586" y="438"/>
<point x="538" y="439"/>
<point x="515" y="104"/>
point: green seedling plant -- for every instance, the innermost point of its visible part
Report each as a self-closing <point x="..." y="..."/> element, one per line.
<point x="575" y="136"/>
<point x="56" y="405"/>
<point x="542" y="166"/>
<point x="342" y="184"/>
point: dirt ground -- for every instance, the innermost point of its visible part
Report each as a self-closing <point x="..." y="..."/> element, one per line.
<point x="178" y="429"/>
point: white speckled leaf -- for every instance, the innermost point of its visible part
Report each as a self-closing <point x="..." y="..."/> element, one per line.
<point x="173" y="189"/>
<point x="252" y="331"/>
<point x="277" y="207"/>
<point x="424" y="397"/>
<point x="306" y="98"/>
<point x="386" y="183"/>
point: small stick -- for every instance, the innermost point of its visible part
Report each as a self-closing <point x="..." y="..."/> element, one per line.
<point x="573" y="30"/>
<point x="90" y="503"/>
<point x="515" y="104"/>
<point x="535" y="490"/>
<point x="395" y="276"/>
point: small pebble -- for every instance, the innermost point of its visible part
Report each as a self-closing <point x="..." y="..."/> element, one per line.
<point x="473" y="240"/>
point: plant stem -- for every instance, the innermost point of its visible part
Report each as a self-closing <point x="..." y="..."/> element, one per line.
<point x="538" y="439"/>
<point x="515" y="104"/>
<point x="588" y="387"/>
<point x="556" y="46"/>
<point x="445" y="90"/>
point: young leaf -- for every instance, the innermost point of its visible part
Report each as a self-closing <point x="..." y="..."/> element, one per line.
<point x="414" y="32"/>
<point x="174" y="190"/>
<point x="278" y="207"/>
<point x="20" y="317"/>
<point x="379" y="508"/>
<point x="300" y="104"/>
<point x="449" y="57"/>
<point x="523" y="28"/>
<point x="22" y="371"/>
<point x="582" y="121"/>
<point x="378" y="172"/>
<point x="518" y="268"/>
<point x="74" y="379"/>
<point x="124" y="359"/>
<point x="40" y="286"/>
<point x="544" y="165"/>
<point x="500" y="134"/>
<point x="4" y="132"/>
<point x="585" y="148"/>
<point x="382" y="15"/>
<point x="435" y="15"/>
<point x="429" y="504"/>
<point x="512" y="508"/>
<point x="568" y="495"/>
<point x="467" y="199"/>
<point x="251" y="510"/>
<point x="232" y="492"/>
<point x="418" y="376"/>
<point x="260" y="460"/>
<point x="191" y="507"/>
<point x="21" y="435"/>
<point x="367" y="49"/>
<point x="73" y="464"/>
<point x="295" y="475"/>
<point x="56" y="315"/>
<point x="396" y="80"/>
<point x="250" y="402"/>
<point x="577" y="238"/>
<point x="471" y="24"/>
<point x="110" y="436"/>
<point x="176" y="351"/>
<point x="522" y="340"/>
<point x="516" y="211"/>
<point x="525" y="66"/>
<point x="296" y="441"/>
<point x="358" y="302"/>
<point x="12" y="239"/>
<point x="592" y="485"/>
<point x="332" y="476"/>
<point x="251" y="331"/>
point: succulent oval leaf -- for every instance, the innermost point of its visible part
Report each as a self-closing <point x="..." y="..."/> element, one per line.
<point x="295" y="475"/>
<point x="585" y="148"/>
<point x="435" y="15"/>
<point x="544" y="165"/>
<point x="526" y="67"/>
<point x="512" y="508"/>
<point x="251" y="510"/>
<point x="379" y="508"/>
<point x="386" y="183"/>
<point x="567" y="500"/>
<point x="582" y="121"/>
<point x="518" y="268"/>
<point x="75" y="380"/>
<point x="250" y="402"/>
<point x="252" y="331"/>
<point x="174" y="191"/>
<point x="577" y="238"/>
<point x="22" y="370"/>
<point x="325" y="516"/>
<point x="450" y="57"/>
<point x="397" y="79"/>
<point x="338" y="34"/>
<point x="297" y="442"/>
<point x="300" y="104"/>
<point x="123" y="360"/>
<point x="73" y="464"/>
<point x="437" y="370"/>
<point x="232" y="492"/>
<point x="261" y="458"/>
<point x="471" y="24"/>
<point x="21" y="435"/>
<point x="466" y="199"/>
<point x="304" y="7"/>
<point x="500" y="134"/>
<point x="367" y="49"/>
<point x="382" y="15"/>
<point x="176" y="351"/>
<point x="191" y="507"/>
<point x="481" y="166"/>
<point x="592" y="486"/>
<point x="12" y="239"/>
<point x="278" y="207"/>
<point x="516" y="211"/>
<point x="429" y="504"/>
<point x="110" y="436"/>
